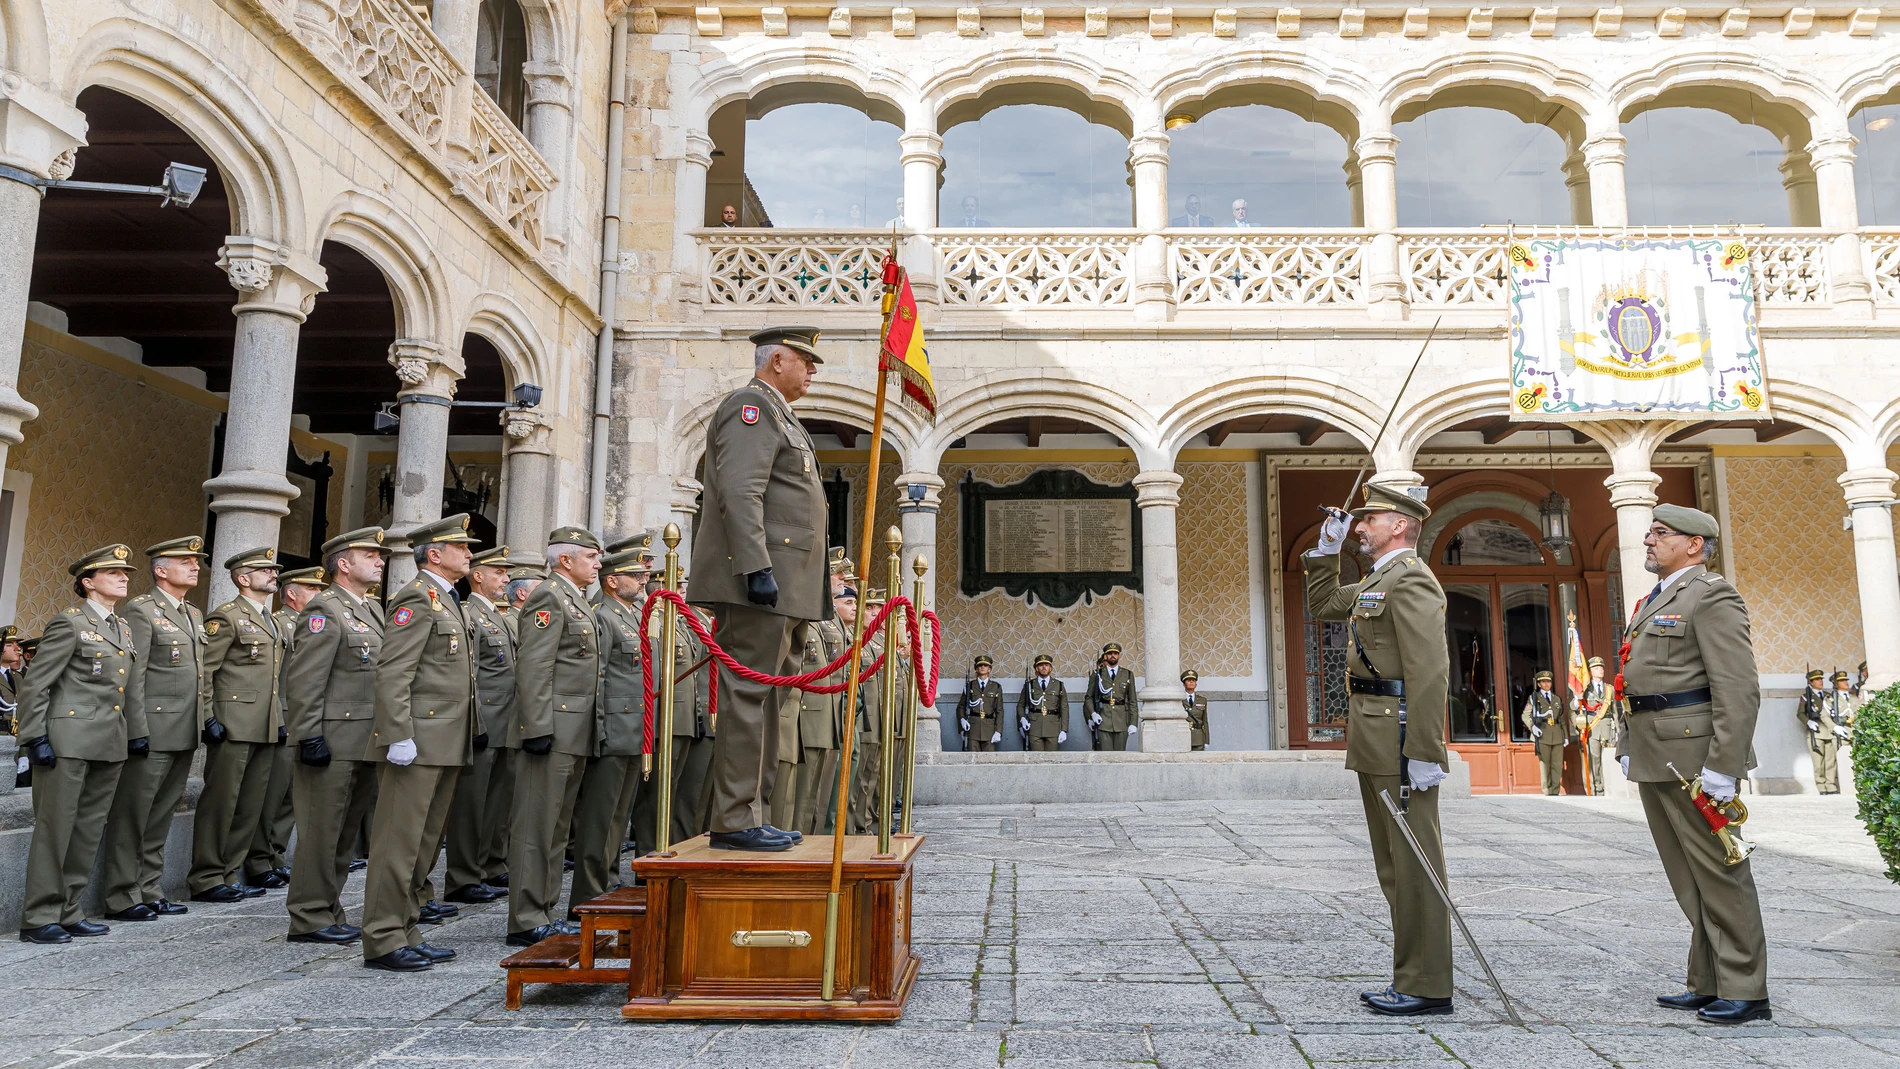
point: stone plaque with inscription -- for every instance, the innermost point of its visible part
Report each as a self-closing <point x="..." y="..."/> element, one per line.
<point x="1056" y="537"/>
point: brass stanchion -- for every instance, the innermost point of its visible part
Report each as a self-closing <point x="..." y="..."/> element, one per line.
<point x="669" y="631"/>
<point x="887" y="723"/>
<point x="920" y="566"/>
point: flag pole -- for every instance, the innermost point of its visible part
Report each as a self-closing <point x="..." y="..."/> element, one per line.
<point x="892" y="273"/>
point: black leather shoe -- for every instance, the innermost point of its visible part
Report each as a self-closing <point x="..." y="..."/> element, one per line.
<point x="86" y="929"/>
<point x="45" y="933"/>
<point x="565" y="927"/>
<point x="442" y="907"/>
<point x="472" y="893"/>
<point x="567" y="866"/>
<point x="433" y="953"/>
<point x="359" y="864"/>
<point x="223" y="892"/>
<point x="401" y="959"/>
<point x="270" y="881"/>
<point x="140" y="912"/>
<point x="166" y="908"/>
<point x="1736" y="1011"/>
<point x="515" y="939"/>
<point x="435" y="913"/>
<point x="1367" y="996"/>
<point x="626" y="846"/>
<point x="500" y="881"/>
<point x="750" y="839"/>
<point x="335" y="934"/>
<point x="252" y="890"/>
<point x="1399" y="1004"/>
<point x="1688" y="1000"/>
<point x="794" y="836"/>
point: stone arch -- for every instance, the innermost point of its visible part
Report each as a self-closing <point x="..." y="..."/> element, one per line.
<point x="1846" y="424"/>
<point x="821" y="70"/>
<point x="1272" y="77"/>
<point x="1040" y="76"/>
<point x="1493" y="493"/>
<point x="1743" y="85"/>
<point x="150" y="64"/>
<point x="501" y="319"/>
<point x="374" y="227"/>
<point x="23" y="23"/>
<point x="1417" y="421"/>
<point x="1050" y="392"/>
<point x="1533" y="89"/>
<point x="1869" y="85"/>
<point x="1314" y="396"/>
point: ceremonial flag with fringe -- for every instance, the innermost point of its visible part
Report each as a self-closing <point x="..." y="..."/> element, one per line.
<point x="904" y="351"/>
<point x="1579" y="672"/>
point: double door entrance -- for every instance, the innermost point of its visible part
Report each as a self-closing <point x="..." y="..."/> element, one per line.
<point x="1501" y="631"/>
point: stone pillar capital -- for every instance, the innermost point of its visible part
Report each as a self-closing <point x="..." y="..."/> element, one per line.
<point x="1831" y="150"/>
<point x="526" y="431"/>
<point x="685" y="495"/>
<point x="38" y="131"/>
<point x="1605" y="149"/>
<point x="1396" y="478"/>
<point x="424" y="370"/>
<point x="933" y="490"/>
<point x="1633" y="488"/>
<point x="699" y="148"/>
<point x="1377" y="148"/>
<point x="1148" y="148"/>
<point x="1867" y="487"/>
<point x="271" y="277"/>
<point x="14" y="411"/>
<point x="548" y="83"/>
<point x="1156" y="488"/>
<point x="921" y="146"/>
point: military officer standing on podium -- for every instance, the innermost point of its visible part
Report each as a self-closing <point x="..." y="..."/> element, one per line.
<point x="612" y="776"/>
<point x="1398" y="675"/>
<point x="86" y="666"/>
<point x="1543" y="716"/>
<point x="332" y="685"/>
<point x="423" y="736"/>
<point x="268" y="864"/>
<point x="760" y="569"/>
<point x="980" y="714"/>
<point x="1110" y="701"/>
<point x="1196" y="707"/>
<point x="1690" y="679"/>
<point x="169" y="634"/>
<point x="244" y="660"/>
<point x="1043" y="710"/>
<point x="487" y="785"/>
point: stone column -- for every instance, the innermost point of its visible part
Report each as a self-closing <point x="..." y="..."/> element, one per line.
<point x="1603" y="158"/>
<point x="1355" y="188"/>
<point x="1377" y="151"/>
<point x="1577" y="182"/>
<point x="1154" y="281"/>
<point x="918" y="519"/>
<point x="922" y="159"/>
<point x="1869" y="497"/>
<point x="529" y="441"/>
<point x="422" y="446"/>
<point x="689" y="208"/>
<point x="1631" y="444"/>
<point x="1797" y="178"/>
<point x="250" y="494"/>
<point x="684" y="503"/>
<point x="457" y="23"/>
<point x="548" y="118"/>
<point x="1164" y="727"/>
<point x="1832" y="160"/>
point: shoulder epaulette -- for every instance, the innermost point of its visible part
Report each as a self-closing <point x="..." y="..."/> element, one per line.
<point x="141" y="599"/>
<point x="74" y="611"/>
<point x="226" y="605"/>
<point x="1712" y="577"/>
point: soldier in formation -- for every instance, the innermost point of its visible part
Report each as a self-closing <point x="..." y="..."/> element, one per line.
<point x="486" y="786"/>
<point x="1543" y="717"/>
<point x="1043" y="710"/>
<point x="1110" y="705"/>
<point x="268" y="865"/>
<point x="612" y="775"/>
<point x="1196" y="707"/>
<point x="1825" y="731"/>
<point x="821" y="716"/>
<point x="980" y="712"/>
<point x="1592" y="716"/>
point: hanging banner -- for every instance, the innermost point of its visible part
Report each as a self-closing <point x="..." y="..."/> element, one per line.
<point x="1615" y="328"/>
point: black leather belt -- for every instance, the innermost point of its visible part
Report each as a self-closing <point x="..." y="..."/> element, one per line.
<point x="1384" y="688"/>
<point x="1650" y="703"/>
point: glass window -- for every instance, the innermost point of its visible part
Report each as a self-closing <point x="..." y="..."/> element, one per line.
<point x="1468" y="637"/>
<point x="823" y="165"/>
<point x="1477" y="167"/>
<point x="1034" y="165"/>
<point x="1877" y="164"/>
<point x="1695" y="165"/>
<point x="1255" y="165"/>
<point x="1492" y="543"/>
<point x="1527" y="646"/>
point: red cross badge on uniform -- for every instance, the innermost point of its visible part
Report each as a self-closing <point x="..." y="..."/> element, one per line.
<point x="316" y="624"/>
<point x="403" y="616"/>
<point x="749" y="413"/>
<point x="542" y="618"/>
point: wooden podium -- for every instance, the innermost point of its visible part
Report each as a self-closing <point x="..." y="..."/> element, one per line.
<point x="736" y="935"/>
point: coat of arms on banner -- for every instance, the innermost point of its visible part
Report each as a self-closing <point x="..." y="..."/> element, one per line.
<point x="1610" y="328"/>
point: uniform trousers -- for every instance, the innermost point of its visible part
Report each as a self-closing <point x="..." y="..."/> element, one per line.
<point x="1596" y="762"/>
<point x="867" y="761"/>
<point x="70" y="803"/>
<point x="1827" y="772"/>
<point x="600" y="818"/>
<point x="690" y="802"/>
<point x="817" y="791"/>
<point x="1728" y="951"/>
<point x="236" y="776"/>
<point x="1421" y="925"/>
<point x="270" y="846"/>
<point x="331" y="803"/>
<point x="468" y="821"/>
<point x="496" y="811"/>
<point x="1551" y="758"/>
<point x="538" y="827"/>
<point x="403" y="838"/>
<point x="140" y="822"/>
<point x="1044" y="742"/>
<point x="745" y="755"/>
<point x="1116" y="741"/>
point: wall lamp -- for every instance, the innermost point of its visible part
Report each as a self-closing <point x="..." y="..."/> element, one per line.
<point x="180" y="186"/>
<point x="527" y="395"/>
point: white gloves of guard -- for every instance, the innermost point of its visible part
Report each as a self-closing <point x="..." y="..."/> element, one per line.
<point x="1625" y="762"/>
<point x="1840" y="733"/>
<point x="1814" y="727"/>
<point x="1717" y="786"/>
<point x="402" y="753"/>
<point x="964" y="723"/>
<point x="1061" y="737"/>
<point x="1025" y="723"/>
<point x="1425" y="774"/>
<point x="1095" y="720"/>
<point x="1133" y="730"/>
<point x="996" y="737"/>
<point x="1333" y="531"/>
<point x="20" y="765"/>
<point x="1537" y="732"/>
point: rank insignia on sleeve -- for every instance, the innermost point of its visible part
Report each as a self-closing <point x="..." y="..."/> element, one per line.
<point x="749" y="413"/>
<point x="316" y="625"/>
<point x="402" y="616"/>
<point x="542" y="618"/>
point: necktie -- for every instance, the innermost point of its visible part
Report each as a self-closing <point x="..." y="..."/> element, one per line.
<point x="1654" y="592"/>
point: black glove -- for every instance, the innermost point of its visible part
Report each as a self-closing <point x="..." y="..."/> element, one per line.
<point x="139" y="747"/>
<point x="540" y="745"/>
<point x="314" y="752"/>
<point x="40" y="751"/>
<point x="761" y="588"/>
<point x="481" y="742"/>
<point x="282" y="733"/>
<point x="214" y="732"/>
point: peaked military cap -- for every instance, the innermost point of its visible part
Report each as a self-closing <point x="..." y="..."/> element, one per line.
<point x="527" y="571"/>
<point x="492" y="558"/>
<point x="983" y="661"/>
<point x="447" y="529"/>
<point x="874" y="595"/>
<point x="1381" y="498"/>
<point x="1596" y="662"/>
<point x="362" y="538"/>
<point x="28" y="645"/>
<point x="626" y="562"/>
<point x="1816" y="673"/>
<point x="848" y="592"/>
<point x="102" y="559"/>
<point x="1111" y="647"/>
<point x="1189" y="673"/>
<point x="839" y="563"/>
<point x="573" y="536"/>
<point x="1685" y="520"/>
<point x="643" y="541"/>
<point x="9" y="633"/>
<point x="188" y="546"/>
<point x="802" y="339"/>
<point x="1545" y="677"/>
<point x="261" y="557"/>
<point x="1839" y="677"/>
<point x="1043" y="658"/>
<point x="306" y="576"/>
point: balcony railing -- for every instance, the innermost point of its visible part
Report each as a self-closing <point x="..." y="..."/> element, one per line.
<point x="1270" y="269"/>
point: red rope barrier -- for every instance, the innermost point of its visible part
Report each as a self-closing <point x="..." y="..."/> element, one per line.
<point x="926" y="689"/>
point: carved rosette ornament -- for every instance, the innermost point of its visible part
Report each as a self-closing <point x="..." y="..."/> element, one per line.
<point x="62" y="166"/>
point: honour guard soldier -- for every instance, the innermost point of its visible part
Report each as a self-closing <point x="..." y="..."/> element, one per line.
<point x="1843" y="705"/>
<point x="169" y="634"/>
<point x="821" y="716"/>
<point x="244" y="662"/>
<point x="612" y="777"/>
<point x="1690" y="679"/>
<point x="1397" y="661"/>
<point x="1196" y="707"/>
<point x="1823" y="731"/>
<point x="422" y="737"/>
<point x="268" y="865"/>
<point x="1110" y="703"/>
<point x="980" y="716"/>
<point x="1543" y="715"/>
<point x="557" y="727"/>
<point x="81" y="718"/>
<point x="1043" y="710"/>
<point x="761" y="571"/>
<point x="485" y="788"/>
<point x="1590" y="713"/>
<point x="331" y="681"/>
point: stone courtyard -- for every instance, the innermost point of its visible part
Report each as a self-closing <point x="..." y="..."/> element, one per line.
<point x="1178" y="934"/>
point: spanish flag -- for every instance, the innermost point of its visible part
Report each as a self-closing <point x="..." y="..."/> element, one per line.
<point x="903" y="350"/>
<point x="1577" y="670"/>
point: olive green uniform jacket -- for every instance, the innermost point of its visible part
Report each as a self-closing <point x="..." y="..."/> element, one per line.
<point x="1112" y="699"/>
<point x="622" y="700"/>
<point x="494" y="667"/>
<point x="982" y="706"/>
<point x="1196" y="708"/>
<point x="557" y="671"/>
<point x="243" y="667"/>
<point x="169" y="671"/>
<point x="85" y="697"/>
<point x="1545" y="712"/>
<point x="425" y="679"/>
<point x="332" y="675"/>
<point x="1046" y="706"/>
<point x="1696" y="634"/>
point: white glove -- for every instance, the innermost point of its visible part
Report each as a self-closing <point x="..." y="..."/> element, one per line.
<point x="1061" y="737"/>
<point x="1814" y="727"/>
<point x="1025" y="723"/>
<point x="402" y="753"/>
<point x="1095" y="720"/>
<point x="1625" y="762"/>
<point x="1718" y="787"/>
<point x="1134" y="729"/>
<point x="20" y="765"/>
<point x="996" y="737"/>
<point x="1425" y="774"/>
<point x="964" y="723"/>
<point x="1840" y="733"/>
<point x="1333" y="531"/>
<point x="1537" y="732"/>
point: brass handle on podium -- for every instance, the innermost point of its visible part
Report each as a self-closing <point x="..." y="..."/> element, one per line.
<point x="779" y="938"/>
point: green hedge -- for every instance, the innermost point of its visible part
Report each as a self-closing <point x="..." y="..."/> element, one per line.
<point x="1877" y="773"/>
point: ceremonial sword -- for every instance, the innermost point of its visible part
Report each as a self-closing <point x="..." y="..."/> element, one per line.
<point x="1445" y="897"/>
<point x="1379" y="437"/>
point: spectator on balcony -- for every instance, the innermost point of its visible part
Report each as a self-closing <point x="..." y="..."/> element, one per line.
<point x="818" y="219"/>
<point x="1193" y="216"/>
<point x="1240" y="214"/>
<point x="729" y="216"/>
<point x="854" y="218"/>
<point x="969" y="214"/>
<point x="898" y="219"/>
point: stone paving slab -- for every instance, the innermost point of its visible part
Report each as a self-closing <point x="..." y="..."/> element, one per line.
<point x="1214" y="935"/>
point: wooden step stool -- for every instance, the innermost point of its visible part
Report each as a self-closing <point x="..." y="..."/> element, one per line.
<point x="606" y="926"/>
